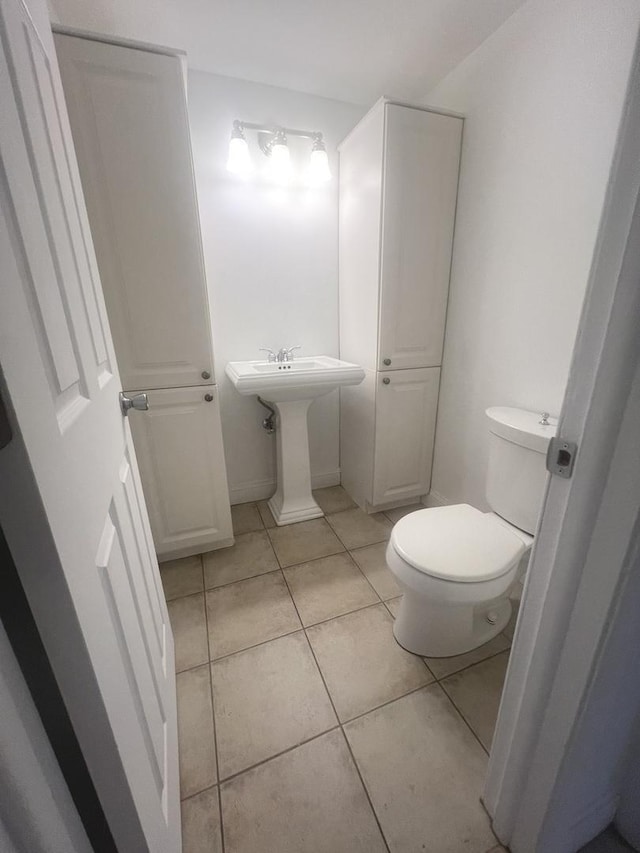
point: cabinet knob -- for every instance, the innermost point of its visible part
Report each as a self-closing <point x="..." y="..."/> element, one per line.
<point x="386" y="381"/>
<point x="386" y="361"/>
<point x="208" y="398"/>
<point x="205" y="374"/>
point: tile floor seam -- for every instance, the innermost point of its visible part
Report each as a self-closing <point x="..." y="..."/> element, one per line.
<point x="353" y="758"/>
<point x="387" y="702"/>
<point x="470" y="665"/>
<point x="464" y="719"/>
<point x="244" y="770"/>
<point x="213" y="719"/>
<point x="355" y="563"/>
<point x="240" y="580"/>
<point x="255" y="645"/>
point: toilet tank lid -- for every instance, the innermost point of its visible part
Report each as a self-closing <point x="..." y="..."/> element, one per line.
<point x="456" y="543"/>
<point x="522" y="427"/>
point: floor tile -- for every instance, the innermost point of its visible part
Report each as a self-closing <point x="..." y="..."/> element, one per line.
<point x="362" y="664"/>
<point x="201" y="823"/>
<point x="181" y="577"/>
<point x="309" y="800"/>
<point x="441" y="667"/>
<point x="394" y="515"/>
<point x="333" y="499"/>
<point x="355" y="528"/>
<point x="328" y="587"/>
<point x="189" y="631"/>
<point x="266" y="700"/>
<point x="265" y="514"/>
<point x="251" y="555"/>
<point x="424" y="771"/>
<point x="373" y="563"/>
<point x="249" y="612"/>
<point x="195" y="731"/>
<point x="476" y="692"/>
<point x="245" y="518"/>
<point x="394" y="605"/>
<point x="308" y="540"/>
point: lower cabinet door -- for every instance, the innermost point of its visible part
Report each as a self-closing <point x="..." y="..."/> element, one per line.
<point x="178" y="443"/>
<point x="406" y="406"/>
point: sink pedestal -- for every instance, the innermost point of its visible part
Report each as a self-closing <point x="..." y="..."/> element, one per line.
<point x="293" y="500"/>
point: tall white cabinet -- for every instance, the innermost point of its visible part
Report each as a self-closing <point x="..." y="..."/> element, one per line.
<point x="398" y="187"/>
<point x="128" y="110"/>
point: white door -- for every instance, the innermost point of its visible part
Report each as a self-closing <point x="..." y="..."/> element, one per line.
<point x="406" y="407"/>
<point x="128" y="113"/>
<point x="179" y="444"/>
<point x="421" y="161"/>
<point x="89" y="570"/>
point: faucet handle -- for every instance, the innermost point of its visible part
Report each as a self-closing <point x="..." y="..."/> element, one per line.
<point x="271" y="356"/>
<point x="289" y="351"/>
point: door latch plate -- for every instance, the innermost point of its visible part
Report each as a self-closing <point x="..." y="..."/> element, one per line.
<point x="561" y="456"/>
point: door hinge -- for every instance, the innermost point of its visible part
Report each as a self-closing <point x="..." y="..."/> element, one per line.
<point x="561" y="456"/>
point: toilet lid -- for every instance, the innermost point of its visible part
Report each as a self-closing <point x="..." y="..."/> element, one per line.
<point x="456" y="543"/>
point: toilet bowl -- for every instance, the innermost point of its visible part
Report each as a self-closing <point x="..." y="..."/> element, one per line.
<point x="457" y="565"/>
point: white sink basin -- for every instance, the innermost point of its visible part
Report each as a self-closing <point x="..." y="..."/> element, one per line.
<point x="302" y="379"/>
<point x="292" y="386"/>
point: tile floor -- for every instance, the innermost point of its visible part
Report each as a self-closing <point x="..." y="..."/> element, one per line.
<point x="303" y="726"/>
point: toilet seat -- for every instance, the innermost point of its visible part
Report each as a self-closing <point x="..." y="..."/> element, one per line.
<point x="457" y="543"/>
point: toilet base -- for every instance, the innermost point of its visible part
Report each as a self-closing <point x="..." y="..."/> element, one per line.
<point x="438" y="632"/>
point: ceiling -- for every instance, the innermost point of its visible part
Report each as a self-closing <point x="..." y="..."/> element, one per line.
<point x="352" y="50"/>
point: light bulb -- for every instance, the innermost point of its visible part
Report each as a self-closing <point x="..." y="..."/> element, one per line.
<point x="239" y="161"/>
<point x="319" y="172"/>
<point x="280" y="160"/>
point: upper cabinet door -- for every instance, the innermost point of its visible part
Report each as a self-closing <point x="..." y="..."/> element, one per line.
<point x="130" y="128"/>
<point x="421" y="162"/>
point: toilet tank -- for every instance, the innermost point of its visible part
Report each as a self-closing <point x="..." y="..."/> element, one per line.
<point x="517" y="472"/>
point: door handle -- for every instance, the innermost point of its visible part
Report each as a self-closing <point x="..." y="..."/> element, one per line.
<point x="140" y="402"/>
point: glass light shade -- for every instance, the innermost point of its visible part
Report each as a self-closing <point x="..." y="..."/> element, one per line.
<point x="319" y="171"/>
<point x="239" y="162"/>
<point x="280" y="162"/>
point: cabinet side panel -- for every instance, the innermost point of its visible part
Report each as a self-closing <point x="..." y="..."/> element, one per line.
<point x="359" y="239"/>
<point x="422" y="155"/>
<point x="357" y="425"/>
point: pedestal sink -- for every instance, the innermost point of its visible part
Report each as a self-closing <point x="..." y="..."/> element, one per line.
<point x="291" y="386"/>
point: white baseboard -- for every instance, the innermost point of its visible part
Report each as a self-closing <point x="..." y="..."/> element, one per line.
<point x="260" y="490"/>
<point x="435" y="499"/>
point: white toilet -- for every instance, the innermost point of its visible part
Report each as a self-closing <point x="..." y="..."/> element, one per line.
<point x="456" y="565"/>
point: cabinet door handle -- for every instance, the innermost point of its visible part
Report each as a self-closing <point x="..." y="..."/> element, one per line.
<point x="208" y="398"/>
<point x="386" y="361"/>
<point x="205" y="374"/>
<point x="386" y="381"/>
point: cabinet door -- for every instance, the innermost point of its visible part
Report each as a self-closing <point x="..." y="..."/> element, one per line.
<point x="422" y="153"/>
<point x="130" y="129"/>
<point x="406" y="406"/>
<point x="178" y="443"/>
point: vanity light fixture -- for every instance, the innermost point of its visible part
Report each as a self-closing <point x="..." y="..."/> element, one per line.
<point x="273" y="144"/>
<point x="239" y="161"/>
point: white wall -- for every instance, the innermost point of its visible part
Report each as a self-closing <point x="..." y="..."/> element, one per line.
<point x="542" y="99"/>
<point x="271" y="260"/>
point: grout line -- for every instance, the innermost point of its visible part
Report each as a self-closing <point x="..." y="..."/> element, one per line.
<point x="304" y="742"/>
<point x="388" y="702"/>
<point x="470" y="665"/>
<point x="213" y="719"/>
<point x="463" y="718"/>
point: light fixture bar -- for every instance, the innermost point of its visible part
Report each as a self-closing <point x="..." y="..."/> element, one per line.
<point x="273" y="129"/>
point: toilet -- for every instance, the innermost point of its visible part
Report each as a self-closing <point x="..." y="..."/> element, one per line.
<point x="457" y="565"/>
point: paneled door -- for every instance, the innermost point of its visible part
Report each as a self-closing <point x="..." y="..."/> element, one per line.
<point x="71" y="505"/>
<point x="406" y="408"/>
<point x="179" y="444"/>
<point x="421" y="161"/>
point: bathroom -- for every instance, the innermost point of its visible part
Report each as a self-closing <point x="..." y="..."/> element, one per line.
<point x="303" y="723"/>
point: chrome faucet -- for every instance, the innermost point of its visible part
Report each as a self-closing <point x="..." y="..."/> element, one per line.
<point x="284" y="354"/>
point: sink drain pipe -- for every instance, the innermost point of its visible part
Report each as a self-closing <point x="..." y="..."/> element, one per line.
<point x="269" y="423"/>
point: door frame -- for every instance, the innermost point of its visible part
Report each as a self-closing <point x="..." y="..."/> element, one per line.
<point x="544" y="789"/>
